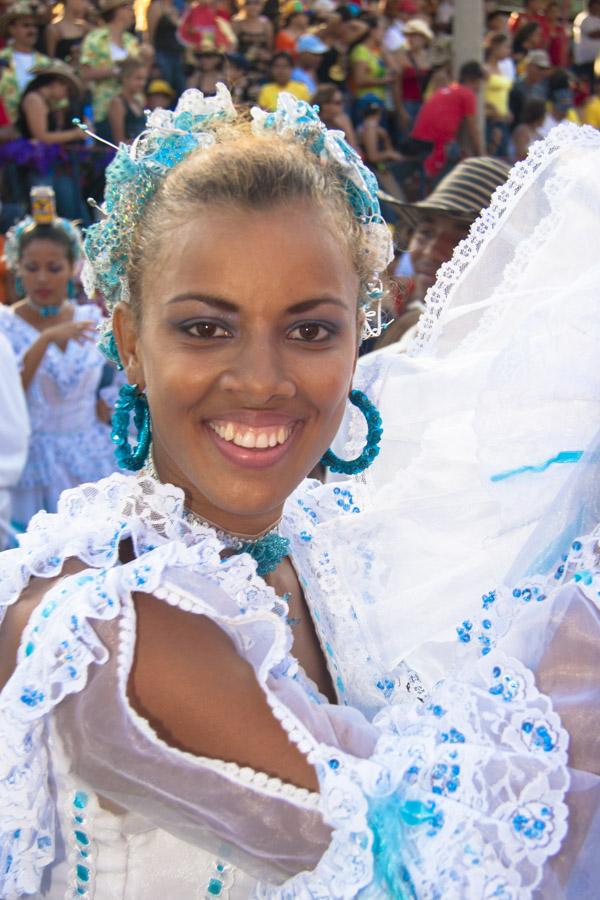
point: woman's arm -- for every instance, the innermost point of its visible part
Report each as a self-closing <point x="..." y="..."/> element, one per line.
<point x="36" y="114"/>
<point x="59" y="334"/>
<point x="362" y="78"/>
<point x="152" y="18"/>
<point x="116" y="119"/>
<point x="52" y="36"/>
<point x="178" y="653"/>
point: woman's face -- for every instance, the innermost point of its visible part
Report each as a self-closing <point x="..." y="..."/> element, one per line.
<point x="125" y="16"/>
<point x="416" y="42"/>
<point x="333" y="107"/>
<point x="45" y="271"/>
<point x="246" y="348"/>
<point x="135" y="82"/>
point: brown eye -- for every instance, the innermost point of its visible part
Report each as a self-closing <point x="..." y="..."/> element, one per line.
<point x="311" y="332"/>
<point x="207" y="330"/>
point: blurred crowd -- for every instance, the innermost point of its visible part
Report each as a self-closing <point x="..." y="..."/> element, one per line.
<point x="382" y="71"/>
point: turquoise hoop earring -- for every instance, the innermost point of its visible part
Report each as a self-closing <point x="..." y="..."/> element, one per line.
<point x="131" y="399"/>
<point x="71" y="292"/>
<point x="19" y="287"/>
<point x="371" y="448"/>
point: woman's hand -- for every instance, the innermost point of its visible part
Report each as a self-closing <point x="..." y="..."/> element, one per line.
<point x="67" y="331"/>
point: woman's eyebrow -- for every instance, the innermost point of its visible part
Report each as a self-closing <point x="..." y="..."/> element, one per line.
<point x="228" y="306"/>
<point x="307" y="305"/>
<point x="209" y="299"/>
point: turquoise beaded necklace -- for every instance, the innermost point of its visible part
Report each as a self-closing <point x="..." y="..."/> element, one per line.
<point x="268" y="548"/>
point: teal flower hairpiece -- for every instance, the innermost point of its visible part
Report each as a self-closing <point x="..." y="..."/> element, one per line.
<point x="137" y="171"/>
<point x="12" y="244"/>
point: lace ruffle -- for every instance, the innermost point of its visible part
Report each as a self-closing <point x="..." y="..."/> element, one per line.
<point x="487" y="225"/>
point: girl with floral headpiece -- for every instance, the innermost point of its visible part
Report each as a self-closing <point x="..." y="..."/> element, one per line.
<point x="61" y="369"/>
<point x="199" y="705"/>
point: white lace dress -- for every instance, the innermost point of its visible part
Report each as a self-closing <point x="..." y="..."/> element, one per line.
<point x="68" y="444"/>
<point x="459" y="793"/>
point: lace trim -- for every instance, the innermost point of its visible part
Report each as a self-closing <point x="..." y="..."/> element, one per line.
<point x="244" y="775"/>
<point x="485" y="227"/>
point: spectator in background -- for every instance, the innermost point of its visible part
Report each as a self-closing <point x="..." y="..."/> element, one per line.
<point x="163" y="21"/>
<point x="414" y="70"/>
<point x="255" y="34"/>
<point x="496" y="94"/>
<point x="43" y="113"/>
<point x="533" y="84"/>
<point x="126" y="119"/>
<point x="65" y="35"/>
<point x="525" y="40"/>
<point x="209" y="67"/>
<point x="533" y="13"/>
<point x="397" y="13"/>
<point x="46" y="110"/>
<point x="102" y="51"/>
<point x="309" y="49"/>
<point x="591" y="110"/>
<point x="281" y="73"/>
<point x="295" y="25"/>
<point x="19" y="24"/>
<point x="369" y="73"/>
<point x="436" y="225"/>
<point x="201" y="21"/>
<point x="340" y="33"/>
<point x="558" y="47"/>
<point x="561" y="104"/>
<point x="160" y="95"/>
<point x="586" y="40"/>
<point x="14" y="435"/>
<point x="497" y="21"/>
<point x="448" y="117"/>
<point x="240" y="80"/>
<point x="330" y="101"/>
<point x="378" y="151"/>
<point x="530" y="129"/>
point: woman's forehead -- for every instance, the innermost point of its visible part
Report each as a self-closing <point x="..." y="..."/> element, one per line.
<point x="290" y="251"/>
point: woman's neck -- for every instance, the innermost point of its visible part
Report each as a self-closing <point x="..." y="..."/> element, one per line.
<point x="116" y="33"/>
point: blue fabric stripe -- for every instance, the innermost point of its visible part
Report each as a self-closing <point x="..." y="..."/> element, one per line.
<point x="565" y="456"/>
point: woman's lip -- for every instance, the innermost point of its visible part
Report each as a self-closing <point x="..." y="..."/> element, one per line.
<point x="43" y="293"/>
<point x="252" y="458"/>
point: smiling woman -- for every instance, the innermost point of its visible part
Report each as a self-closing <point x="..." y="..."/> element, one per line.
<point x="199" y="707"/>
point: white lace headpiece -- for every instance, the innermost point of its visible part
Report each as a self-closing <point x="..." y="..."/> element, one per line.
<point x="137" y="171"/>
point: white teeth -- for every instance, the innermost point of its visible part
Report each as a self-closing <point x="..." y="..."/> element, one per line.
<point x="251" y="439"/>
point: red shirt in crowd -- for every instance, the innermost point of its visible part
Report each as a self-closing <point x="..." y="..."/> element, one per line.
<point x="439" y="120"/>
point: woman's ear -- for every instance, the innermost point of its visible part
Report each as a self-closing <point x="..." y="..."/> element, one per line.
<point x="126" y="338"/>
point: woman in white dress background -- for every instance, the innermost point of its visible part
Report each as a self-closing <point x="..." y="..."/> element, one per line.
<point x="61" y="367"/>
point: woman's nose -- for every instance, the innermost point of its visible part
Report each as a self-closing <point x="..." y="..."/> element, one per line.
<point x="258" y="373"/>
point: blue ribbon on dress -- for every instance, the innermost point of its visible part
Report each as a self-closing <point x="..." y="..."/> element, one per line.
<point x="565" y="456"/>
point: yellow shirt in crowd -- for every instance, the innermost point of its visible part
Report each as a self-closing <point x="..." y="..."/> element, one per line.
<point x="267" y="99"/>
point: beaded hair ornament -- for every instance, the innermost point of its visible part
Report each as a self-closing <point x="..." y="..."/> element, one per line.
<point x="137" y="171"/>
<point x="43" y="212"/>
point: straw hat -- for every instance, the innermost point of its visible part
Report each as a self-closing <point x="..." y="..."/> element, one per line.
<point x="418" y="26"/>
<point x="22" y="9"/>
<point x="105" y="6"/>
<point x="462" y="194"/>
<point x="60" y="69"/>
